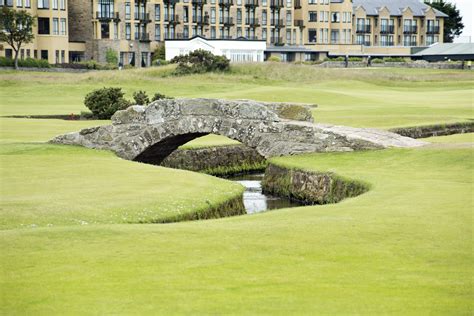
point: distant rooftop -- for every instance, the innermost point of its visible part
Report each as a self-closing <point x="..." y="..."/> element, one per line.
<point x="448" y="49"/>
<point x="395" y="7"/>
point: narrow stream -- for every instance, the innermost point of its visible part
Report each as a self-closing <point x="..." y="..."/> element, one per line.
<point x="254" y="199"/>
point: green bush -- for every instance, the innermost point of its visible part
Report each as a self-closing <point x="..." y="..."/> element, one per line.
<point x="159" y="96"/>
<point x="160" y="62"/>
<point x="93" y="65"/>
<point x="355" y="59"/>
<point x="200" y="61"/>
<point x="394" y="60"/>
<point x="111" y="56"/>
<point x="28" y="62"/>
<point x="274" y="59"/>
<point x="159" y="53"/>
<point x="377" y="61"/>
<point x="141" y="98"/>
<point x="340" y="58"/>
<point x="104" y="102"/>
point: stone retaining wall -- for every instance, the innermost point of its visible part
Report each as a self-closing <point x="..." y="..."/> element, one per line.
<point x="223" y="160"/>
<point x="341" y="64"/>
<point x="310" y="187"/>
<point x="435" y="130"/>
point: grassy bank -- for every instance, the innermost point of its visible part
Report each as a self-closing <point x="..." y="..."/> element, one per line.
<point x="405" y="247"/>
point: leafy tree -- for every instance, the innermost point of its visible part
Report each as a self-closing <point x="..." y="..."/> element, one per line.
<point x="104" y="102"/>
<point x="159" y="53"/>
<point x="16" y="29"/>
<point x="200" y="61"/>
<point x="453" y="25"/>
<point x="111" y="56"/>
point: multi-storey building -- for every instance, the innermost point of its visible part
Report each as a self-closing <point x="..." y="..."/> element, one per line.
<point x="51" y="30"/>
<point x="133" y="28"/>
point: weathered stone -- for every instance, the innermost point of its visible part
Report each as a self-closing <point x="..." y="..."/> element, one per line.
<point x="150" y="134"/>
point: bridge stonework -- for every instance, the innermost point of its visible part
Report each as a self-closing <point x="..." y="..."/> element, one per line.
<point x="151" y="133"/>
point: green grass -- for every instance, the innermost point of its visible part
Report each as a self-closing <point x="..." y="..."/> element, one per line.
<point x="382" y="98"/>
<point x="404" y="247"/>
<point x="458" y="138"/>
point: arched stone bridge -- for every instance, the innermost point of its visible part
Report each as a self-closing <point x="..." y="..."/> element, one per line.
<point x="150" y="133"/>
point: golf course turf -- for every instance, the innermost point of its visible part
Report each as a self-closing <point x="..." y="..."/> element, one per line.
<point x="404" y="247"/>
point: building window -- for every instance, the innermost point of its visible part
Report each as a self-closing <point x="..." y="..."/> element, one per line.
<point x="62" y="4"/>
<point x="264" y="34"/>
<point x="137" y="31"/>
<point x="128" y="31"/>
<point x="43" y="26"/>
<point x="264" y="17"/>
<point x="127" y="11"/>
<point x="43" y="4"/>
<point x="289" y="21"/>
<point x="213" y="32"/>
<point x="55" y="26"/>
<point x="157" y="32"/>
<point x="313" y="16"/>
<point x="116" y="31"/>
<point x="104" y="30"/>
<point x="63" y="26"/>
<point x="44" y="54"/>
<point x="239" y="16"/>
<point x="312" y="1"/>
<point x="27" y="3"/>
<point x="312" y="35"/>
<point x="157" y="12"/>
<point x="19" y="3"/>
<point x="284" y="57"/>
<point x="63" y="56"/>
<point x="334" y="36"/>
<point x="55" y="4"/>
<point x="213" y="16"/>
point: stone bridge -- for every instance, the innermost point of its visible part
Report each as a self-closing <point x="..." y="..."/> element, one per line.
<point x="151" y="133"/>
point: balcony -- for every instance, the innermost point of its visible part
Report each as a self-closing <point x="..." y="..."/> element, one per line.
<point x="171" y="2"/>
<point x="251" y="3"/>
<point x="277" y="3"/>
<point x="297" y="4"/>
<point x="299" y="23"/>
<point x="201" y="20"/>
<point x="410" y="44"/>
<point x="413" y="29"/>
<point x="387" y="29"/>
<point x="107" y="16"/>
<point x="277" y="41"/>
<point x="227" y="21"/>
<point x="199" y="2"/>
<point x="143" y="17"/>
<point x="175" y="36"/>
<point x="253" y="22"/>
<point x="279" y="23"/>
<point x="172" y="19"/>
<point x="432" y="30"/>
<point x="363" y="28"/>
<point x="226" y="3"/>
<point x="144" y="37"/>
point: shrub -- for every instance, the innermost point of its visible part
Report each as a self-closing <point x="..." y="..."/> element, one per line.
<point x="141" y="98"/>
<point x="6" y="62"/>
<point x="340" y="58"/>
<point x="274" y="59"/>
<point x="111" y="56"/>
<point x="200" y="61"/>
<point x="355" y="59"/>
<point x="159" y="53"/>
<point x="28" y="62"/>
<point x="377" y="61"/>
<point x="159" y="96"/>
<point x="394" y="60"/>
<point x="160" y="62"/>
<point x="104" y="102"/>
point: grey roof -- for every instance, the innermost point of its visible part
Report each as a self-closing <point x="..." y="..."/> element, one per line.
<point x="395" y="7"/>
<point x="448" y="49"/>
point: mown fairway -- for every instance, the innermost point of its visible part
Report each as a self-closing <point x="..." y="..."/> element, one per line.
<point x="69" y="243"/>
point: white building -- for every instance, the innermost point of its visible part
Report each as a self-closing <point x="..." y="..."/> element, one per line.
<point x="237" y="50"/>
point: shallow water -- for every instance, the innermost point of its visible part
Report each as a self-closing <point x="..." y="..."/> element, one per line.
<point x="255" y="201"/>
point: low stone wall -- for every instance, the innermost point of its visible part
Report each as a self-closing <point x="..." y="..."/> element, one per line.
<point x="310" y="187"/>
<point x="221" y="160"/>
<point x="435" y="130"/>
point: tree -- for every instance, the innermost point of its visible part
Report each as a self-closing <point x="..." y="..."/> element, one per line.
<point x="16" y="29"/>
<point x="453" y="25"/>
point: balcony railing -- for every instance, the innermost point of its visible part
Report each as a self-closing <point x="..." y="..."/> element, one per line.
<point x="299" y="23"/>
<point x="175" y="36"/>
<point x="143" y="17"/>
<point x="144" y="37"/>
<point x="413" y="29"/>
<point x="226" y="3"/>
<point x="199" y="2"/>
<point x="297" y="4"/>
<point x="410" y="44"/>
<point x="277" y="3"/>
<point x="387" y="29"/>
<point x="252" y="22"/>
<point x="201" y="20"/>
<point x="432" y="30"/>
<point x="363" y="28"/>
<point x="172" y="2"/>
<point x="226" y="20"/>
<point x="278" y="23"/>
<point x="172" y="19"/>
<point x="107" y="15"/>
<point x="251" y="3"/>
